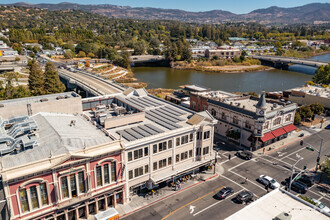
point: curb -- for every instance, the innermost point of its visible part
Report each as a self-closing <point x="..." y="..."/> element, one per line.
<point x="275" y="149"/>
<point x="154" y="202"/>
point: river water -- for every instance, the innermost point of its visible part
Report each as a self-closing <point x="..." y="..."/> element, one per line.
<point x="269" y="80"/>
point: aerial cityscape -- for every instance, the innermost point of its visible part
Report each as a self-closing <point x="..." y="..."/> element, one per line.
<point x="164" y="110"/>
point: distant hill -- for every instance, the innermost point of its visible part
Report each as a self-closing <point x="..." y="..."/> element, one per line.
<point x="302" y="14"/>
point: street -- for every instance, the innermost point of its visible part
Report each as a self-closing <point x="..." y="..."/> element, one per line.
<point x="199" y="202"/>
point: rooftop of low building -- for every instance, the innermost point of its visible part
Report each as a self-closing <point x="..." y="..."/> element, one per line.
<point x="314" y="90"/>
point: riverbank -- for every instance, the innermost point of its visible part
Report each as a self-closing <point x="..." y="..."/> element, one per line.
<point x="220" y="66"/>
<point x="305" y="54"/>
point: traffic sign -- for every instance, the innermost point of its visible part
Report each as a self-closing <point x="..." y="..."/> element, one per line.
<point x="309" y="148"/>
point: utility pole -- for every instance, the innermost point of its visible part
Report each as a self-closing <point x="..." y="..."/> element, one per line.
<point x="215" y="160"/>
<point x="292" y="171"/>
<point x="311" y="148"/>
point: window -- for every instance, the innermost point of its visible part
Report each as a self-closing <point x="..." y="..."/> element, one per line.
<point x="99" y="176"/>
<point x="170" y="144"/>
<point x="130" y="174"/>
<point x="154" y="148"/>
<point x="130" y="157"/>
<point x="138" y="172"/>
<point x="162" y="146"/>
<point x="162" y="163"/>
<point x="235" y="120"/>
<point x="73" y="185"/>
<point x="288" y="117"/>
<point x="223" y="116"/>
<point x="184" y="155"/>
<point x="169" y="161"/>
<point x="247" y="124"/>
<point x="138" y="154"/>
<point x="106" y="174"/>
<point x="24" y="200"/>
<point x="199" y="135"/>
<point x="146" y="151"/>
<point x="177" y="158"/>
<point x="277" y="121"/>
<point x="213" y="112"/>
<point x="177" y="141"/>
<point x="34" y="197"/>
<point x="206" y="135"/>
<point x="190" y="153"/>
<point x="191" y="137"/>
<point x="81" y="182"/>
<point x="155" y="166"/>
<point x="266" y="125"/>
<point x="43" y="194"/>
<point x="65" y="189"/>
<point x="113" y="172"/>
<point x="205" y="150"/>
<point x="146" y="169"/>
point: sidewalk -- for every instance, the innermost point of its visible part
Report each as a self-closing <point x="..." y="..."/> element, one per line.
<point x="137" y="203"/>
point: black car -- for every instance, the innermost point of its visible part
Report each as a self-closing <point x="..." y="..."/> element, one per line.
<point x="308" y="180"/>
<point x="299" y="187"/>
<point x="247" y="155"/>
<point x="244" y="196"/>
<point x="223" y="193"/>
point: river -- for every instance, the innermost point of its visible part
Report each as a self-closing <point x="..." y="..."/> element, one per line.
<point x="269" y="80"/>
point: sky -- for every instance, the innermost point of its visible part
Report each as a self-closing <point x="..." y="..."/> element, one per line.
<point x="235" y="6"/>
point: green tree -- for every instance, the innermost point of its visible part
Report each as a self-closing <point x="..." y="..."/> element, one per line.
<point x="36" y="79"/>
<point x="317" y="108"/>
<point x="52" y="80"/>
<point x="68" y="54"/>
<point x="186" y="53"/>
<point x="279" y="52"/>
<point x="17" y="47"/>
<point x="81" y="54"/>
<point x="242" y="57"/>
<point x="322" y="75"/>
<point x="297" y="119"/>
<point x="91" y="55"/>
<point x="305" y="112"/>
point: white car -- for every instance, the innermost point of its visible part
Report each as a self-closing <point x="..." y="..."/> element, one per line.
<point x="321" y="206"/>
<point x="267" y="180"/>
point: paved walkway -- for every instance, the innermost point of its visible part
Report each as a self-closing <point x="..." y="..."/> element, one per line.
<point x="137" y="203"/>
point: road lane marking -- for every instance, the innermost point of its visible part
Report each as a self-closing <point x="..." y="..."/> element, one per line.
<point x="274" y="163"/>
<point x="249" y="180"/>
<point x="238" y="165"/>
<point x="216" y="203"/>
<point x="296" y="168"/>
<point x="234" y="182"/>
<point x="318" y="194"/>
<point x="300" y="149"/>
<point x="171" y="213"/>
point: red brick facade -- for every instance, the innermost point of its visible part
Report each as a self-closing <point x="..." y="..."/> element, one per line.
<point x="198" y="103"/>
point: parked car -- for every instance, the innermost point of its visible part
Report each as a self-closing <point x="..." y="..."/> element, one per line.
<point x="327" y="127"/>
<point x="244" y="196"/>
<point x="299" y="187"/>
<point x="223" y="193"/>
<point x="301" y="135"/>
<point x="321" y="206"/>
<point x="247" y="155"/>
<point x="267" y="180"/>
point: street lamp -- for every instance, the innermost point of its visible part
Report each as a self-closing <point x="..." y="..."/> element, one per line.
<point x="292" y="169"/>
<point x="311" y="148"/>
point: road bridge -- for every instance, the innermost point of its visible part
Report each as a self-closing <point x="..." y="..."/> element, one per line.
<point x="92" y="84"/>
<point x="285" y="61"/>
<point x="146" y="60"/>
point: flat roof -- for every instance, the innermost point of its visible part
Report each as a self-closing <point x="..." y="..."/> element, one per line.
<point x="42" y="98"/>
<point x="314" y="90"/>
<point x="57" y="135"/>
<point x="273" y="204"/>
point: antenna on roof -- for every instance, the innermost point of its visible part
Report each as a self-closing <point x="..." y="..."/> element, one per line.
<point x="85" y="147"/>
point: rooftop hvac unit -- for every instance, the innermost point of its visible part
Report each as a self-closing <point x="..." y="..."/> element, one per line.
<point x="120" y="110"/>
<point x="283" y="216"/>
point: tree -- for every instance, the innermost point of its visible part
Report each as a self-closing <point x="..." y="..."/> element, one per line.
<point x="91" y="55"/>
<point x="81" y="54"/>
<point x="322" y="75"/>
<point x="305" y="112"/>
<point x="317" y="108"/>
<point x="52" y="80"/>
<point x="242" y="57"/>
<point x="36" y="79"/>
<point x="68" y="54"/>
<point x="17" y="47"/>
<point x="186" y="53"/>
<point x="297" y="119"/>
<point x="279" y="52"/>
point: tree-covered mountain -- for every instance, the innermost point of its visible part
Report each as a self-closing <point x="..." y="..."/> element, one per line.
<point x="310" y="13"/>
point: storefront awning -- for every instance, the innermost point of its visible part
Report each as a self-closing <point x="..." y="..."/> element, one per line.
<point x="289" y="128"/>
<point x="267" y="136"/>
<point x="278" y="132"/>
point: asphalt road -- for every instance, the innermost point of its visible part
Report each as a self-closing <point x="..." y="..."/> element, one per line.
<point x="199" y="202"/>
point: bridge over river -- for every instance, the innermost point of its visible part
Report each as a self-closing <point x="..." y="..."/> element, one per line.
<point x="278" y="61"/>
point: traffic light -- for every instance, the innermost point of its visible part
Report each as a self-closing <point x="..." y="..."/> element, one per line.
<point x="305" y="167"/>
<point x="318" y="160"/>
<point x="309" y="148"/>
<point x="301" y="142"/>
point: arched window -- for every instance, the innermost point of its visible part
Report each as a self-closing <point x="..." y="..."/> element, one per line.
<point x="288" y="117"/>
<point x="266" y="126"/>
<point x="106" y="174"/>
<point x="213" y="112"/>
<point x="277" y="121"/>
<point x="35" y="194"/>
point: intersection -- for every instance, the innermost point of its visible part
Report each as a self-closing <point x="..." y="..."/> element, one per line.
<point x="199" y="202"/>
